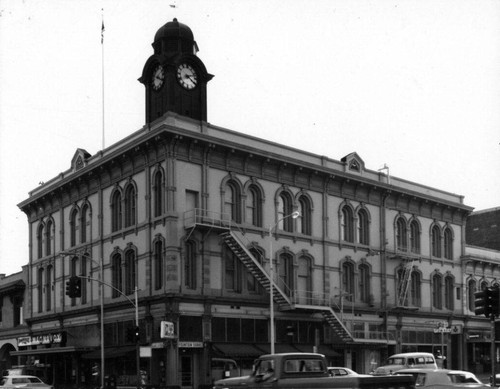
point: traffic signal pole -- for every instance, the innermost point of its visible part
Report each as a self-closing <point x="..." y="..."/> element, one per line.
<point x="492" y="353"/>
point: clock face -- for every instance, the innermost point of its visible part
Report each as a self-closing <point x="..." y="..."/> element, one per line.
<point x="158" y="77"/>
<point x="187" y="76"/>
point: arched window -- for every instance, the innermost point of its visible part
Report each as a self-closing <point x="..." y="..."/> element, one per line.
<point x="414" y="237"/>
<point x="130" y="203"/>
<point x="348" y="280"/>
<point x="363" y="227"/>
<point x="347" y="224"/>
<point x="304" y="280"/>
<point x="130" y="272"/>
<point x="449" y="287"/>
<point x="73" y="226"/>
<point x="39" y="238"/>
<point x="190" y="265"/>
<point x="85" y="223"/>
<point x="254" y="206"/>
<point x="49" y="236"/>
<point x="285" y="209"/>
<point x="364" y="283"/>
<point x="437" y="291"/>
<point x="158" y="194"/>
<point x="48" y="288"/>
<point x="116" y="264"/>
<point x="285" y="278"/>
<point x="232" y="266"/>
<point x="158" y="264"/>
<point x="415" y="289"/>
<point x="471" y="289"/>
<point x="304" y="221"/>
<point x="116" y="211"/>
<point x="436" y="241"/>
<point x="448" y="243"/>
<point x="252" y="283"/>
<point x="401" y="234"/>
<point x="232" y="201"/>
<point x="40" y="289"/>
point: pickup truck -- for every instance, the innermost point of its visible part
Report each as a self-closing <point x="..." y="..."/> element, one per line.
<point x="306" y="370"/>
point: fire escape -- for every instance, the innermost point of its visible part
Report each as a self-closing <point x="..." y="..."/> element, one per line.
<point x="404" y="282"/>
<point x="283" y="300"/>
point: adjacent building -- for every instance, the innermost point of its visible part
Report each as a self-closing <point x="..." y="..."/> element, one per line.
<point x="185" y="229"/>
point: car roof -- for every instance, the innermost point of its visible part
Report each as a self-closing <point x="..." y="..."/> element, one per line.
<point x="410" y="355"/>
<point x="20" y="376"/>
<point x="445" y="371"/>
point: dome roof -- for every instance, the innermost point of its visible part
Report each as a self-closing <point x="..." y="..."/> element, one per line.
<point x="174" y="29"/>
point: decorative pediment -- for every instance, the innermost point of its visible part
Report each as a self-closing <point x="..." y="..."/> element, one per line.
<point x="79" y="159"/>
<point x="353" y="163"/>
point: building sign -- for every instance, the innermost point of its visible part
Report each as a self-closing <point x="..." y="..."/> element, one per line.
<point x="167" y="330"/>
<point x="36" y="340"/>
<point x="190" y="344"/>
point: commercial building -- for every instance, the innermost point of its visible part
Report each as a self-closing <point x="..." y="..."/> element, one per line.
<point x="182" y="225"/>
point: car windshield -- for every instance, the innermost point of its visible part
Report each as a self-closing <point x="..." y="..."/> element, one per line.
<point x="395" y="361"/>
<point x="26" y="380"/>
<point x="461" y="378"/>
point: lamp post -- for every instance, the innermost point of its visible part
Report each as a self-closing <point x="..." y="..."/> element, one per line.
<point x="101" y="285"/>
<point x="294" y="215"/>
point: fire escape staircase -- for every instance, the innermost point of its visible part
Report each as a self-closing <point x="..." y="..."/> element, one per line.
<point x="284" y="301"/>
<point x="405" y="282"/>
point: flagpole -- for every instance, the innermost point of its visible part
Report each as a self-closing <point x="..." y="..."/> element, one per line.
<point x="102" y="77"/>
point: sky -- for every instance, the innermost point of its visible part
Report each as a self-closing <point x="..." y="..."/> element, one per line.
<point x="414" y="85"/>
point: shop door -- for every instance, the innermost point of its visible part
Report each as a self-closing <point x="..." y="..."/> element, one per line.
<point x="187" y="371"/>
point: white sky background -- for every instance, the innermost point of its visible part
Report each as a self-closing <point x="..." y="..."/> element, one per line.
<point x="413" y="84"/>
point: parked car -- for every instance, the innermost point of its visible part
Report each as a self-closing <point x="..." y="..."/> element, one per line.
<point x="23" y="381"/>
<point x="340" y="371"/>
<point x="443" y="378"/>
<point x="416" y="360"/>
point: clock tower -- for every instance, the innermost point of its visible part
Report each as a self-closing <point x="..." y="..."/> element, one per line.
<point x="174" y="77"/>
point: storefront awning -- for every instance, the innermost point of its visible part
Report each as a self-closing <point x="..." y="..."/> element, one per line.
<point x="236" y="350"/>
<point x="54" y="350"/>
<point x="110" y="352"/>
<point x="278" y="348"/>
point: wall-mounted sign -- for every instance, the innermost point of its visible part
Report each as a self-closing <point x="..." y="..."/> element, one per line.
<point x="55" y="338"/>
<point x="190" y="344"/>
<point x="167" y="330"/>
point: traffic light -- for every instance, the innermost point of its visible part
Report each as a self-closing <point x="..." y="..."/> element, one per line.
<point x="74" y="287"/>
<point x="137" y="334"/>
<point x="487" y="302"/>
<point x="494" y="300"/>
<point x="480" y="303"/>
<point x="77" y="289"/>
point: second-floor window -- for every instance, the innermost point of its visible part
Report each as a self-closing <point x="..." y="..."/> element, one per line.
<point x="449" y="287"/>
<point x="116" y="268"/>
<point x="190" y="265"/>
<point x="437" y="291"/>
<point x="130" y="271"/>
<point x="348" y="281"/>
<point x="158" y="264"/>
<point x="364" y="283"/>
<point x="158" y="194"/>
<point x="254" y="206"/>
<point x="285" y="209"/>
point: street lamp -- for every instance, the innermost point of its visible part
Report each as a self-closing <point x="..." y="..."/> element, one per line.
<point x="294" y="215"/>
<point x="101" y="283"/>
